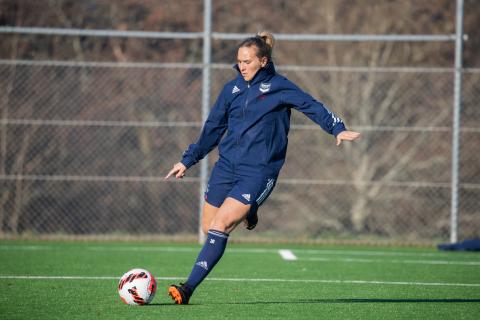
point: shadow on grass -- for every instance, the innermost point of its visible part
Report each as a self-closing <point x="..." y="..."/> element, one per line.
<point x="168" y="304"/>
<point x="307" y="301"/>
<point x="316" y="301"/>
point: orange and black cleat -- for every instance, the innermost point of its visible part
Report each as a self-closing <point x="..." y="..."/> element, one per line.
<point x="180" y="294"/>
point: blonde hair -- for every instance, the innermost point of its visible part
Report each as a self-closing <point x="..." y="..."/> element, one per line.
<point x="268" y="38"/>
<point x="264" y="41"/>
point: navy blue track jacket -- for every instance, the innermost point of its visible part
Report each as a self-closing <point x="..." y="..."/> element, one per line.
<point x="256" y="116"/>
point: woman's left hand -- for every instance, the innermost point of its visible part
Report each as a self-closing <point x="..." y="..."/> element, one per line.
<point x="347" y="135"/>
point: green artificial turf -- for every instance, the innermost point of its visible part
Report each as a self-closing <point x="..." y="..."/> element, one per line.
<point x="56" y="280"/>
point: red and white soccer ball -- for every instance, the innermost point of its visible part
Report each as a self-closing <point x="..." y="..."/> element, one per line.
<point x="137" y="287"/>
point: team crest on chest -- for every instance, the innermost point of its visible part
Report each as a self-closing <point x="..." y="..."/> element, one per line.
<point x="265" y="87"/>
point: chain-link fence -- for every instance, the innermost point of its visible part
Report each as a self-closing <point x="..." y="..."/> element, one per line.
<point x="85" y="147"/>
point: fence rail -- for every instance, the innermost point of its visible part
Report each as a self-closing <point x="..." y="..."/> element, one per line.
<point x="226" y="36"/>
<point x="84" y="144"/>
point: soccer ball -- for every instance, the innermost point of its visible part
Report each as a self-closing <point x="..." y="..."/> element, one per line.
<point x="137" y="287"/>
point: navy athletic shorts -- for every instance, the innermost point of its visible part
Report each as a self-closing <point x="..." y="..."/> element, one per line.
<point x="226" y="182"/>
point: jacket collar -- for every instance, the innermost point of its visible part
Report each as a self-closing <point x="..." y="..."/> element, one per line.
<point x="261" y="74"/>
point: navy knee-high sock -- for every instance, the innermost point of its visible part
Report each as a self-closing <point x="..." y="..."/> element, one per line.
<point x="208" y="257"/>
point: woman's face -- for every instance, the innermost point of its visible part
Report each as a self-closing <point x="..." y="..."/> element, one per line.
<point x="249" y="63"/>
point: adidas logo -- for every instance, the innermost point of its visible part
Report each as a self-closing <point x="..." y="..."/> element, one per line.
<point x="235" y="90"/>
<point x="202" y="264"/>
<point x="246" y="196"/>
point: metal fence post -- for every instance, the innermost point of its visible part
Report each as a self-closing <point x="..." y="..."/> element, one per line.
<point x="80" y="114"/>
<point x="456" y="120"/>
<point x="207" y="53"/>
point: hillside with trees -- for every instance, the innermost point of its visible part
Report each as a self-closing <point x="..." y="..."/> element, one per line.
<point x="98" y="126"/>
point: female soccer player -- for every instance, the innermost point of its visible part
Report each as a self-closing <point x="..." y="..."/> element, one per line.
<point x="254" y="109"/>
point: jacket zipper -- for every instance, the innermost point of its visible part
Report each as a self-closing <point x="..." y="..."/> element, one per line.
<point x="244" y="109"/>
<point x="246" y="101"/>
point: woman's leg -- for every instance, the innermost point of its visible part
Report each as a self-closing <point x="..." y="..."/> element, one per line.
<point x="224" y="221"/>
<point x="208" y="213"/>
<point x="229" y="215"/>
<point x="226" y="218"/>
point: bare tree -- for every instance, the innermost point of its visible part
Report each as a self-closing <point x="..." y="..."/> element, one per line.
<point x="383" y="100"/>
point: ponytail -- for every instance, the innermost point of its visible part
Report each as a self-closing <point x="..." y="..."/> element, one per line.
<point x="264" y="41"/>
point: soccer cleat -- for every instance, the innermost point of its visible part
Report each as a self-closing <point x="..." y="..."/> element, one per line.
<point x="251" y="221"/>
<point x="180" y="294"/>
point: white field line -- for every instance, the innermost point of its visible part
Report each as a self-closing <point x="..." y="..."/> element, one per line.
<point x="319" y="252"/>
<point x="179" y="249"/>
<point x="253" y="250"/>
<point x="287" y="255"/>
<point x="323" y="252"/>
<point x="372" y="253"/>
<point x="24" y="247"/>
<point x="301" y="251"/>
<point x="365" y="282"/>
<point x="429" y="262"/>
<point x="237" y="250"/>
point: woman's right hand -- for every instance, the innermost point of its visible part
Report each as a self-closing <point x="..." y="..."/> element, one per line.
<point x="178" y="170"/>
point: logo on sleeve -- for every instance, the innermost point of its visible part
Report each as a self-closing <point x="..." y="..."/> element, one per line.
<point x="246" y="196"/>
<point x="265" y="87"/>
<point x="335" y="118"/>
<point x="235" y="90"/>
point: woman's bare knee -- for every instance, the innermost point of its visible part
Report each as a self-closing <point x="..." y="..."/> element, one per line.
<point x="229" y="215"/>
<point x="222" y="225"/>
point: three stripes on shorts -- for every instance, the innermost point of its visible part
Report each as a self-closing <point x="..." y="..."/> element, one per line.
<point x="266" y="192"/>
